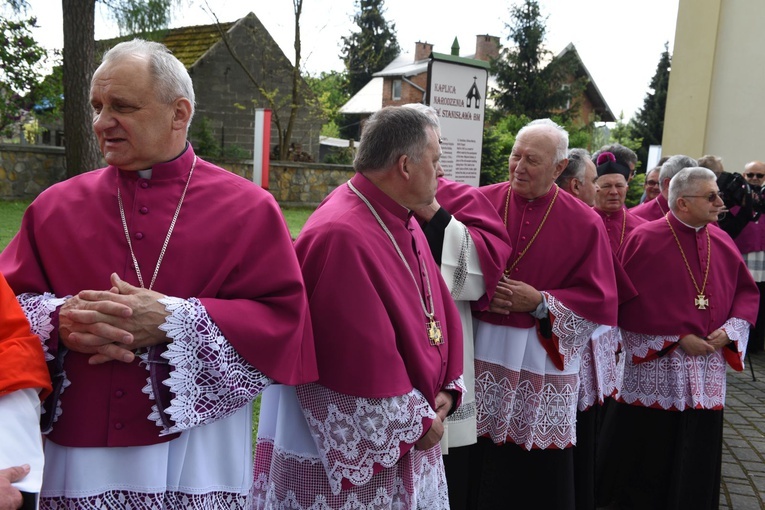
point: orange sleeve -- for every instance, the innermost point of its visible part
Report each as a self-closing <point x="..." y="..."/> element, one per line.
<point x="22" y="362"/>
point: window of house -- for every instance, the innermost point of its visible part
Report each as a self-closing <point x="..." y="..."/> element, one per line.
<point x="566" y="87"/>
<point x="395" y="89"/>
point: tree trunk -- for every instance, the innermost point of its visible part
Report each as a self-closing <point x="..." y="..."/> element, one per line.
<point x="285" y="143"/>
<point x="82" y="152"/>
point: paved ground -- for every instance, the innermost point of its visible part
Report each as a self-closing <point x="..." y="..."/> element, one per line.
<point x="743" y="465"/>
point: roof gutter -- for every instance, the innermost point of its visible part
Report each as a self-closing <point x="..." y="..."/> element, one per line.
<point x="410" y="82"/>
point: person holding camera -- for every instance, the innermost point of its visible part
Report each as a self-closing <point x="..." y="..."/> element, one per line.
<point x="751" y="243"/>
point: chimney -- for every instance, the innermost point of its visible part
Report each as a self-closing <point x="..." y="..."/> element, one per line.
<point x="486" y="47"/>
<point x="422" y="50"/>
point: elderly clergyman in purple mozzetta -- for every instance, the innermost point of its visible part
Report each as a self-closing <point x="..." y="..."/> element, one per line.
<point x="167" y="294"/>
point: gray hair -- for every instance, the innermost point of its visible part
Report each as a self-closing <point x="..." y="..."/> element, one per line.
<point x="389" y="134"/>
<point x="427" y="110"/>
<point x="714" y="163"/>
<point x="686" y="180"/>
<point x="561" y="147"/>
<point x="577" y="164"/>
<point x="673" y="165"/>
<point x="172" y="79"/>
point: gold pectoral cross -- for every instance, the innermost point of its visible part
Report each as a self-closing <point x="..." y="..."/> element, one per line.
<point x="701" y="302"/>
<point x="434" y="332"/>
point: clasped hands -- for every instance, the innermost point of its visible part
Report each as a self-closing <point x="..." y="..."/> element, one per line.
<point x="694" y="345"/>
<point x="112" y="324"/>
<point x="444" y="402"/>
<point x="514" y="296"/>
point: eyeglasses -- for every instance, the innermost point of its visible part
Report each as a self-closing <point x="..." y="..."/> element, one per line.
<point x="651" y="183"/>
<point x="710" y="198"/>
<point x="753" y="175"/>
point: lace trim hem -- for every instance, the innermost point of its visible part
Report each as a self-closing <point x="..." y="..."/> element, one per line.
<point x="39" y="309"/>
<point x="573" y="331"/>
<point x="676" y="381"/>
<point x="525" y="408"/>
<point x="209" y="379"/>
<point x="143" y="500"/>
<point x="354" y="435"/>
<point x="285" y="482"/>
<point x="461" y="271"/>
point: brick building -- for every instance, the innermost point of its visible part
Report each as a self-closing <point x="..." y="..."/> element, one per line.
<point x="405" y="80"/>
<point x="226" y="96"/>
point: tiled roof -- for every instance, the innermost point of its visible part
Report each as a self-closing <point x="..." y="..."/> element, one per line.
<point x="188" y="44"/>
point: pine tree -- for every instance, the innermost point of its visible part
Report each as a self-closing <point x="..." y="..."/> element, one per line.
<point x="370" y="49"/>
<point x="530" y="82"/>
<point x="20" y="58"/>
<point x="648" y="124"/>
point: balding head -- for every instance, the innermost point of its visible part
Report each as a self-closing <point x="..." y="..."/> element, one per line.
<point x="754" y="173"/>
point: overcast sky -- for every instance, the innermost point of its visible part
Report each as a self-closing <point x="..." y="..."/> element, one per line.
<point x="620" y="41"/>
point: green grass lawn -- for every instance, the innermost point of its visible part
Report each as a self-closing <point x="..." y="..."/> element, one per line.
<point x="296" y="217"/>
<point x="12" y="211"/>
<point x="10" y="220"/>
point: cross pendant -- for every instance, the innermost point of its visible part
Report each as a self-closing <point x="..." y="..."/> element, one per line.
<point x="434" y="332"/>
<point x="701" y="302"/>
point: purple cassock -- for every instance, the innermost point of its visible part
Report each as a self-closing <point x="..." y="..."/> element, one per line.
<point x="618" y="225"/>
<point x="348" y="440"/>
<point x="652" y="210"/>
<point x="650" y="256"/>
<point x="577" y="270"/>
<point x="471" y="208"/>
<point x="230" y="250"/>
<point x="668" y="422"/>
<point x="569" y="260"/>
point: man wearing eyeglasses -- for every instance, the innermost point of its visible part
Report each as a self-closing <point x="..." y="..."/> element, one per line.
<point x="689" y="320"/>
<point x="754" y="173"/>
<point x="651" y="185"/>
<point x="751" y="243"/>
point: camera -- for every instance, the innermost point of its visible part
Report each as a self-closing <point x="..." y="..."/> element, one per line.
<point x="737" y="192"/>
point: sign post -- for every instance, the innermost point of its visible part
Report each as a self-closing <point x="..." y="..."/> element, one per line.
<point x="261" y="147"/>
<point x="457" y="91"/>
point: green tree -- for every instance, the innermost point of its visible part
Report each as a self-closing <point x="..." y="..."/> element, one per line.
<point x="498" y="139"/>
<point x="499" y="136"/>
<point x="624" y="134"/>
<point x="529" y="81"/>
<point x="20" y="72"/>
<point x="648" y="123"/>
<point x="329" y="92"/>
<point x="635" y="190"/>
<point x="370" y="49"/>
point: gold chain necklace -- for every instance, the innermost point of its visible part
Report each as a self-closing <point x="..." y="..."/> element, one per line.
<point x="433" y="326"/>
<point x="539" y="228"/>
<point x="167" y="237"/>
<point x="701" y="302"/>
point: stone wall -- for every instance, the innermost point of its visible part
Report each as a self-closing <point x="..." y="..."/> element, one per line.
<point x="297" y="184"/>
<point x="26" y="170"/>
